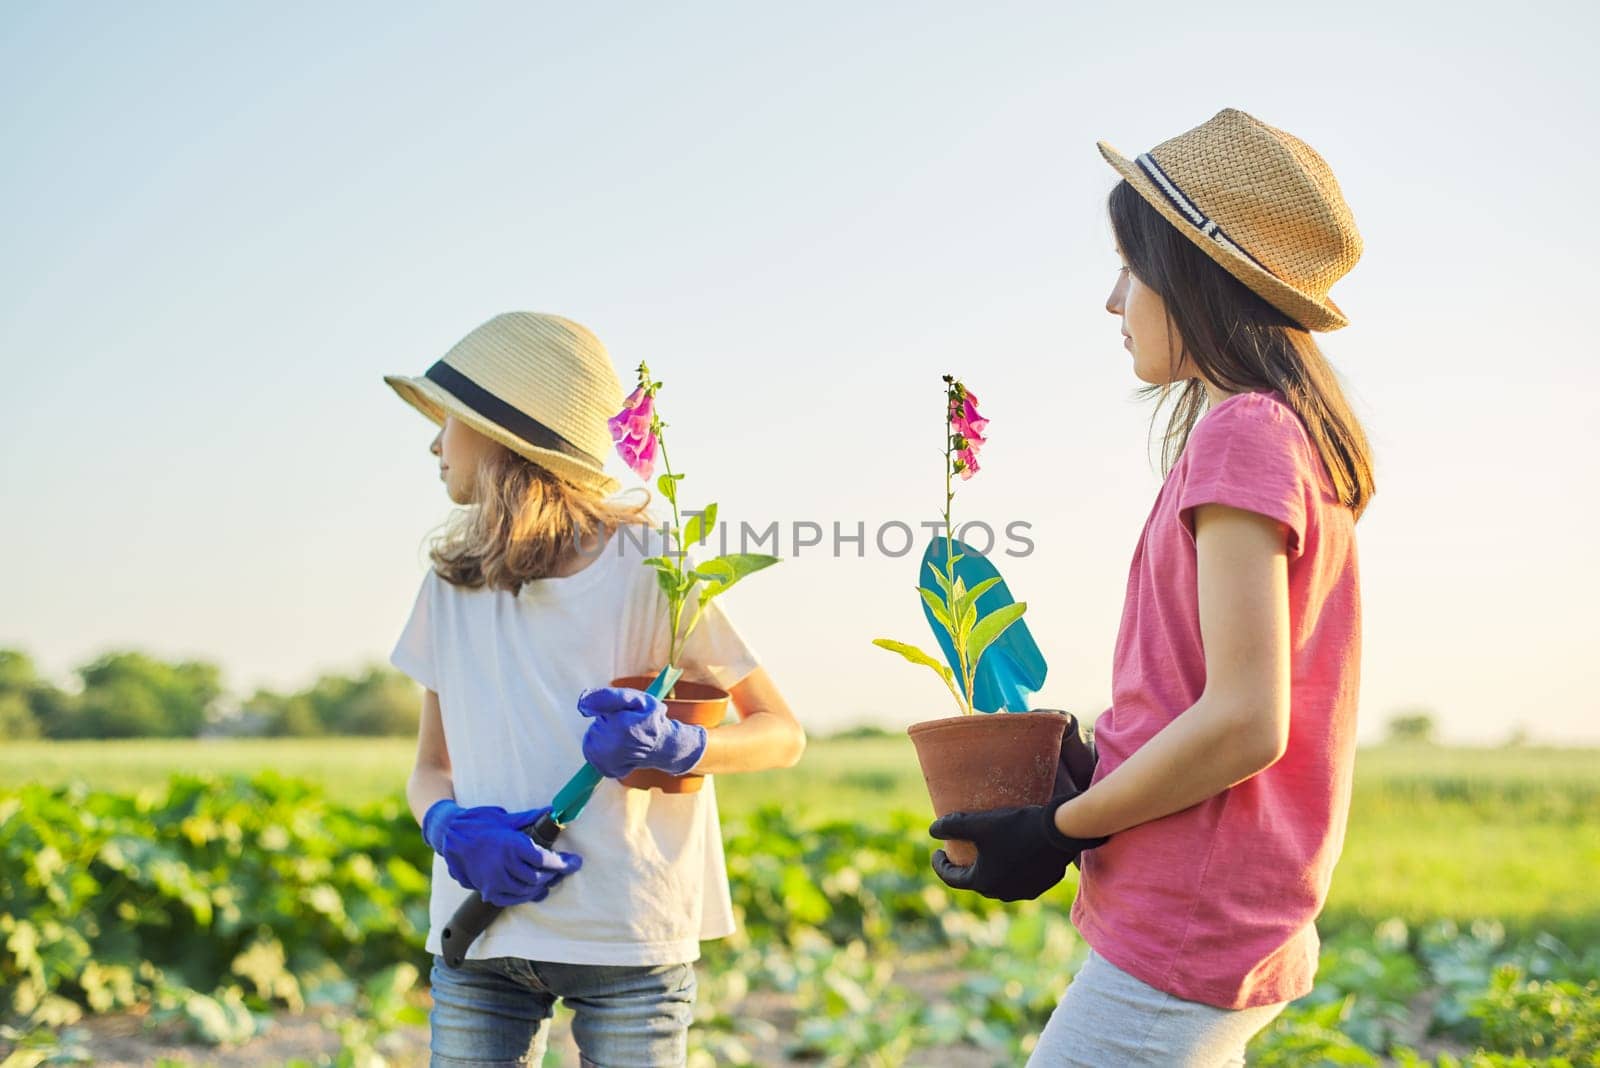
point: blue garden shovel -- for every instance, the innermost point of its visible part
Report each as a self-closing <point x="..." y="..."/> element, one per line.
<point x="475" y="914"/>
<point x="1011" y="670"/>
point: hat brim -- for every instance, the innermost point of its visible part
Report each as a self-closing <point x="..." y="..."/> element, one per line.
<point x="1308" y="311"/>
<point x="435" y="402"/>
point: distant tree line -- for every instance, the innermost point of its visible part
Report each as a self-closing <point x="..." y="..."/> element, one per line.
<point x="133" y="695"/>
<point x="1412" y="726"/>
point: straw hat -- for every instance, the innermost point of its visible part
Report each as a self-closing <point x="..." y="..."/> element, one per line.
<point x="1261" y="203"/>
<point x="540" y="385"/>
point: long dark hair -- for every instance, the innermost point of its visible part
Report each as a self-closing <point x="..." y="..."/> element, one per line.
<point x="1238" y="342"/>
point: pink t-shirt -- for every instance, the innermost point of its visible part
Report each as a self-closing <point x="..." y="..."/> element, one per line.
<point x="1216" y="903"/>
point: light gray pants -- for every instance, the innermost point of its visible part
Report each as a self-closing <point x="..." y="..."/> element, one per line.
<point x="1109" y="1019"/>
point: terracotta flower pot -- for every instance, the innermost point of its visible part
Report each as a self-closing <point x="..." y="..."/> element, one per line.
<point x="693" y="702"/>
<point x="987" y="760"/>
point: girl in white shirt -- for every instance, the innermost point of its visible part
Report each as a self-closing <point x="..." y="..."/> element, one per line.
<point x="538" y="592"/>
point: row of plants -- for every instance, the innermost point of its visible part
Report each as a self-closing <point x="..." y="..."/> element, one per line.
<point x="219" y="903"/>
<point x="1468" y="995"/>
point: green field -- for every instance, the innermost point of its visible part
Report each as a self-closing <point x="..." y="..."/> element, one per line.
<point x="1509" y="834"/>
<point x="1463" y="928"/>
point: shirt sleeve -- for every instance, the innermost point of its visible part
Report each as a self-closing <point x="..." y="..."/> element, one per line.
<point x="413" y="653"/>
<point x="715" y="650"/>
<point x="1252" y="454"/>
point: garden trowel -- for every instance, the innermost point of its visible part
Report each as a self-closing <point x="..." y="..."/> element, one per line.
<point x="475" y="914"/>
<point x="1012" y="669"/>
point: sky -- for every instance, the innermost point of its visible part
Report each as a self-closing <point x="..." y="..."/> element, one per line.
<point x="221" y="225"/>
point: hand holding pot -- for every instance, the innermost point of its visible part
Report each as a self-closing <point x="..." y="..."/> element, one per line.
<point x="486" y="850"/>
<point x="631" y="730"/>
<point x="1021" y="854"/>
<point x="1075" y="767"/>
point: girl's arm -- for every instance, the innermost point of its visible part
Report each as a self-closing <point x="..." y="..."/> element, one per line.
<point x="430" y="777"/>
<point x="766" y="736"/>
<point x="1240" y="724"/>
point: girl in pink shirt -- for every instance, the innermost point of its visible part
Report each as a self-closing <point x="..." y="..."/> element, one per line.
<point x="1209" y="829"/>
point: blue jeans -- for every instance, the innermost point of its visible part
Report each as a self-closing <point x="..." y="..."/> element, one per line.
<point x="494" y="1011"/>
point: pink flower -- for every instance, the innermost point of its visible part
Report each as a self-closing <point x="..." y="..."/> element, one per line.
<point x="968" y="425"/>
<point x="630" y="430"/>
<point x="968" y="422"/>
<point x="634" y="419"/>
<point x="644" y="458"/>
<point x="965" y="425"/>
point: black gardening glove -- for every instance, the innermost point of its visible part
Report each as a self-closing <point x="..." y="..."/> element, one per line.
<point x="1075" y="768"/>
<point x="1021" y="854"/>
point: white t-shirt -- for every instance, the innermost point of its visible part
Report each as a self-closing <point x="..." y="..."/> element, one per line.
<point x="508" y="669"/>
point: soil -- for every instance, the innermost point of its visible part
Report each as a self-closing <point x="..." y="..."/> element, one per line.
<point x="131" y="1040"/>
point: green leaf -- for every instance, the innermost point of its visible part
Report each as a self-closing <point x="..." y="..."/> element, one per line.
<point x="944" y="583"/>
<point x="801" y="898"/>
<point x="385" y="992"/>
<point x="970" y="597"/>
<point x="218" y="1021"/>
<point x="937" y="607"/>
<point x="963" y="613"/>
<point x="668" y="485"/>
<point x="990" y="627"/>
<point x="729" y="569"/>
<point x="699" y="525"/>
<point x="263" y="963"/>
<point x="26" y="1058"/>
<point x="917" y="656"/>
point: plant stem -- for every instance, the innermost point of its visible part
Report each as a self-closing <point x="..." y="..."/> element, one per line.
<point x="675" y="602"/>
<point x="951" y="686"/>
<point x="700" y="606"/>
<point x="965" y="701"/>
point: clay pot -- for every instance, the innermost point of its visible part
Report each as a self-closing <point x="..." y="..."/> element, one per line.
<point x="692" y="702"/>
<point x="987" y="760"/>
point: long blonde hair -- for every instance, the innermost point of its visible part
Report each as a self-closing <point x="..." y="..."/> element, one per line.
<point x="523" y="524"/>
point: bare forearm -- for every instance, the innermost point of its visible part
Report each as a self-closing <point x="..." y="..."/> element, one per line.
<point x="427" y="785"/>
<point x="756" y="743"/>
<point x="1204" y="751"/>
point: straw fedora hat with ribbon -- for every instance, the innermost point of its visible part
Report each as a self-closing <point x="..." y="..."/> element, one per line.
<point x="540" y="385"/>
<point x="1258" y="201"/>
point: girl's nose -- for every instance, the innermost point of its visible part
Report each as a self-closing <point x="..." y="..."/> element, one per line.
<point x="1114" y="301"/>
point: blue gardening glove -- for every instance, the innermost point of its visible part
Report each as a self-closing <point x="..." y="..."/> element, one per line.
<point x="486" y="850"/>
<point x="631" y="730"/>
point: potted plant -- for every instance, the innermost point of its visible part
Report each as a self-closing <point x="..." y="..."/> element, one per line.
<point x="973" y="760"/>
<point x="637" y="432"/>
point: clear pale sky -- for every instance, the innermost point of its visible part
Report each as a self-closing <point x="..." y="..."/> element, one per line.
<point x="223" y="224"/>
